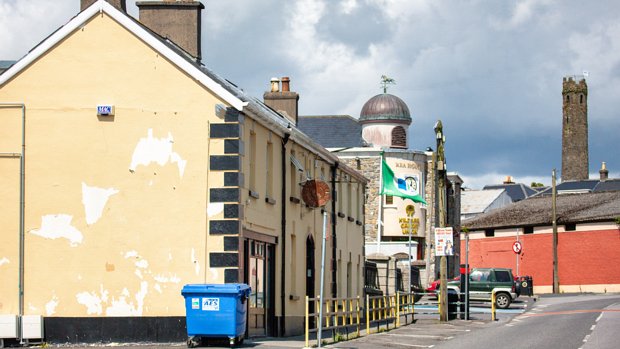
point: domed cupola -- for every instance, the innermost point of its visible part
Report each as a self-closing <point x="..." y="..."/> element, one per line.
<point x="385" y="119"/>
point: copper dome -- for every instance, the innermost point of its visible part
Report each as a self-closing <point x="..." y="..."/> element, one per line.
<point x="385" y="107"/>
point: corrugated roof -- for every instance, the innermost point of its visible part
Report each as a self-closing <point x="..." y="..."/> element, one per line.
<point x="477" y="201"/>
<point x="537" y="211"/>
<point x="332" y="131"/>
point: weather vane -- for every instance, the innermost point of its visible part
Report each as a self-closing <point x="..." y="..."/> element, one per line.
<point x="385" y="81"/>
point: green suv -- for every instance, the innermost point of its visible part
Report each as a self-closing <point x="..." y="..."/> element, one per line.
<point x="484" y="281"/>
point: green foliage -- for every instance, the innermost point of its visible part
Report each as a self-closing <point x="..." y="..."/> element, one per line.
<point x="536" y="185"/>
<point x="617" y="220"/>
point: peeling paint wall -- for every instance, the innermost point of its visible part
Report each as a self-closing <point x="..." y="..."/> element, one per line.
<point x="116" y="220"/>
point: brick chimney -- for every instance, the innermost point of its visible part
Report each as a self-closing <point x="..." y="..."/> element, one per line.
<point x="119" y="4"/>
<point x="177" y="20"/>
<point x="284" y="102"/>
<point x="603" y="172"/>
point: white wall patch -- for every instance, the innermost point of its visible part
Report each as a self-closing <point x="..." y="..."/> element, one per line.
<point x="120" y="306"/>
<point x="92" y="301"/>
<point x="55" y="226"/>
<point x="143" y="263"/>
<point x="158" y="150"/>
<point x="50" y="307"/>
<point x="167" y="279"/>
<point x="4" y="260"/>
<point x="214" y="209"/>
<point x="94" y="200"/>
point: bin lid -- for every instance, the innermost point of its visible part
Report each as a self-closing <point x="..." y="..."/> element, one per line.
<point x="215" y="288"/>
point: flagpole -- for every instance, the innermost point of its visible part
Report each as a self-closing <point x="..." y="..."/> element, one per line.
<point x="380" y="215"/>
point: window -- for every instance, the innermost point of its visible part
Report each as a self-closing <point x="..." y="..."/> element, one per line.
<point x="570" y="227"/>
<point x="269" y="172"/>
<point x="293" y="262"/>
<point x="350" y="199"/>
<point x="528" y="230"/>
<point x="489" y="232"/>
<point x="567" y="99"/>
<point x="399" y="137"/>
<point x="580" y="99"/>
<point x="252" y="161"/>
<point x="389" y="200"/>
<point x="502" y="276"/>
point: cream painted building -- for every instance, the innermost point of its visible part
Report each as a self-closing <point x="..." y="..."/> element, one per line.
<point x="130" y="170"/>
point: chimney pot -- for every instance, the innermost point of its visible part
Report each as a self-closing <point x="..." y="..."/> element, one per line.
<point x="508" y="180"/>
<point x="275" y="85"/>
<point x="603" y="172"/>
<point x="286" y="87"/>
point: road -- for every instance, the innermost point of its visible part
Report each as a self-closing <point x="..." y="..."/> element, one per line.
<point x="565" y="321"/>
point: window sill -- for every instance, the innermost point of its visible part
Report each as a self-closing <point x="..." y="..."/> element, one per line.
<point x="254" y="194"/>
<point x="294" y="200"/>
<point x="341" y="215"/>
<point x="350" y="219"/>
<point x="358" y="223"/>
<point x="270" y="201"/>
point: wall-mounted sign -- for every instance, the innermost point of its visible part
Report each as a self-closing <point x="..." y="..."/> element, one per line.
<point x="517" y="247"/>
<point x="444" y="242"/>
<point x="105" y="110"/>
<point x="315" y="193"/>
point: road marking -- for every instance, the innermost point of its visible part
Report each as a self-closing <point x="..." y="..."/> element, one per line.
<point x="417" y="336"/>
<point x="571" y="312"/>
<point x="592" y="328"/>
<point x="586" y="338"/>
<point x="599" y="317"/>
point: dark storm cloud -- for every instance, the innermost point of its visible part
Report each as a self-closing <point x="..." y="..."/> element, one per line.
<point x="490" y="70"/>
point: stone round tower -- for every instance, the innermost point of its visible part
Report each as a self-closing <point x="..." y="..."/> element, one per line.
<point x="385" y="119"/>
<point x="574" y="129"/>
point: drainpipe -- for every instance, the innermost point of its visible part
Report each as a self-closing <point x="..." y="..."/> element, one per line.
<point x="22" y="191"/>
<point x="334" y="245"/>
<point x="283" y="242"/>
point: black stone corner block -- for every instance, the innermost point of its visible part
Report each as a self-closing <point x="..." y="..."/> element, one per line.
<point x="231" y="276"/>
<point x="225" y="131"/>
<point x="232" y="115"/>
<point x="224" y="162"/>
<point x="231" y="243"/>
<point x="222" y="259"/>
<point x="231" y="211"/>
<point x="224" y="195"/>
<point x="231" y="179"/>
<point x="217" y="227"/>
<point x="231" y="146"/>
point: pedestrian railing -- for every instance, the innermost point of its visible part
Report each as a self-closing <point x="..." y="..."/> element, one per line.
<point x="343" y="317"/>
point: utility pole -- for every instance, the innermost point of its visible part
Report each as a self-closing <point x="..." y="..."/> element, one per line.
<point x="556" y="278"/>
<point x="440" y="187"/>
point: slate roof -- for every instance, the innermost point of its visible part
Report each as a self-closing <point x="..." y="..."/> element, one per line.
<point x="537" y="211"/>
<point x="585" y="186"/>
<point x="516" y="191"/>
<point x="332" y="131"/>
<point x="4" y="65"/>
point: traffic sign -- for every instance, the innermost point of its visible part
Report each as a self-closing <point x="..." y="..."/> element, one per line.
<point x="517" y="247"/>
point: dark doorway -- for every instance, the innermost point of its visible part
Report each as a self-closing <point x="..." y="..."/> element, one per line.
<point x="310" y="276"/>
<point x="260" y="274"/>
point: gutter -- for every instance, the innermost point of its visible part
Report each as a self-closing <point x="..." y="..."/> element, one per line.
<point x="334" y="242"/>
<point x="282" y="326"/>
<point x="22" y="194"/>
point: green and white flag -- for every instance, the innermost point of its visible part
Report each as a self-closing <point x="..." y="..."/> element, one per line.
<point x="406" y="186"/>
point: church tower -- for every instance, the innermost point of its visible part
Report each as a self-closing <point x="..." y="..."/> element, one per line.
<point x="574" y="129"/>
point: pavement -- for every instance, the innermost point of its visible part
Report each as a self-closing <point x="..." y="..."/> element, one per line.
<point x="425" y="332"/>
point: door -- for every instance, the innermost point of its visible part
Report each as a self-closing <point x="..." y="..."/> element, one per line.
<point x="260" y="269"/>
<point x="310" y="276"/>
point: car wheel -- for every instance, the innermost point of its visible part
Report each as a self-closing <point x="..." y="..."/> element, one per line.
<point x="502" y="300"/>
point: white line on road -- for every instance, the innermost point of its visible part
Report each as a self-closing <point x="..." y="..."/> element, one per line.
<point x="417" y="336"/>
<point x="599" y="317"/>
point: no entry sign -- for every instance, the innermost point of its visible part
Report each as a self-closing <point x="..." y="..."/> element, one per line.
<point x="517" y="247"/>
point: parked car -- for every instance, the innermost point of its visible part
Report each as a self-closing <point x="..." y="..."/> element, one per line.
<point x="434" y="286"/>
<point x="485" y="281"/>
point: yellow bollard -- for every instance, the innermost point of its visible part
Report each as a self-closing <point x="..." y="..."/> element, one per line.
<point x="492" y="306"/>
<point x="397" y="310"/>
<point x="357" y="311"/>
<point x="367" y="315"/>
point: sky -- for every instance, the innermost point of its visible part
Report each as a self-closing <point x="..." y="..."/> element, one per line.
<point x="490" y="70"/>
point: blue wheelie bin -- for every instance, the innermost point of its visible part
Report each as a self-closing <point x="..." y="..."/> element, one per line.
<point x="215" y="311"/>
